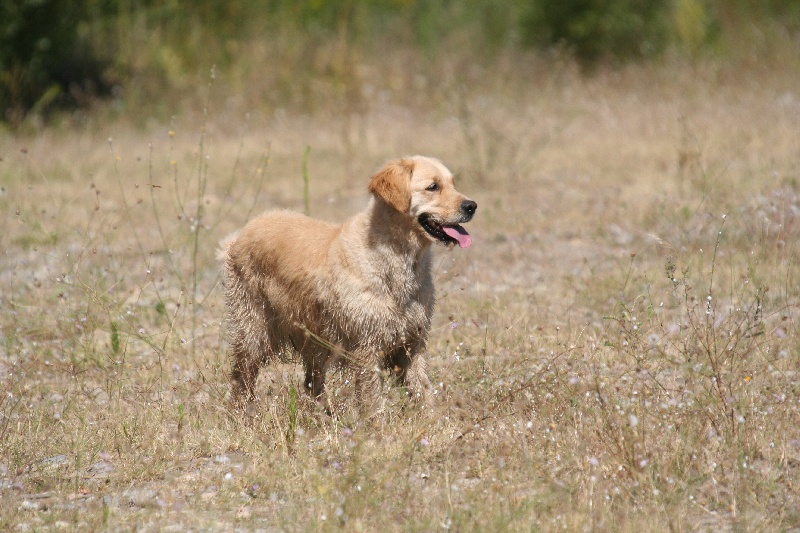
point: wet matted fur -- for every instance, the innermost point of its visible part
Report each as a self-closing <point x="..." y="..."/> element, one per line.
<point x="359" y="294"/>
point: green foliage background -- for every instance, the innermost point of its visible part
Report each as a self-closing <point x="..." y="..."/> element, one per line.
<point x="55" y="53"/>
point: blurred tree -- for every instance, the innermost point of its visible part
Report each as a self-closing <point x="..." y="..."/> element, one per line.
<point x="43" y="59"/>
<point x="694" y="25"/>
<point x="66" y="52"/>
<point x="598" y="29"/>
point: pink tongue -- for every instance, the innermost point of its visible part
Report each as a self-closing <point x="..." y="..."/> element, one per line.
<point x="459" y="234"/>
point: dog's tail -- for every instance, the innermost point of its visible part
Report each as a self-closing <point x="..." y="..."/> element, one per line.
<point x="223" y="256"/>
<point x="225" y="246"/>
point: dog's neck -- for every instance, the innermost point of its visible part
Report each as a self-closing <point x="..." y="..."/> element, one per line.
<point x="397" y="252"/>
<point x="389" y="228"/>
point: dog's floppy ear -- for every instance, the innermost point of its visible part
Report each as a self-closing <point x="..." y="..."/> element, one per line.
<point x="392" y="184"/>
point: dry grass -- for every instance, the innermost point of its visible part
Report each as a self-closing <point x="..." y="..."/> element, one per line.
<point x="618" y="350"/>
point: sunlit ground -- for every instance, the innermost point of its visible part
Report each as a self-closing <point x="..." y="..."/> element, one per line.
<point x="618" y="350"/>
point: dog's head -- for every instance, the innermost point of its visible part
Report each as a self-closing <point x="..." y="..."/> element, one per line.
<point x="423" y="188"/>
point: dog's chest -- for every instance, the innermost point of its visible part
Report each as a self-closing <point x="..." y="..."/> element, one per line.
<point x="386" y="322"/>
<point x="391" y="304"/>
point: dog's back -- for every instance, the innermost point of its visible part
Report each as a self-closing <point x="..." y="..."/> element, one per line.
<point x="272" y="272"/>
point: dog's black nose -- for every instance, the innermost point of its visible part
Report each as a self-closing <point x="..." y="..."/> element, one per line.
<point x="468" y="207"/>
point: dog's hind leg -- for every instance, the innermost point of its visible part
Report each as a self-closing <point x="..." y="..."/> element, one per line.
<point x="316" y="364"/>
<point x="244" y="375"/>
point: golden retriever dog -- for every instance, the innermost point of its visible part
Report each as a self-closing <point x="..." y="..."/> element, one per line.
<point x="358" y="294"/>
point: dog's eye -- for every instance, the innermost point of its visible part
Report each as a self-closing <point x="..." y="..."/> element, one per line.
<point x="433" y="187"/>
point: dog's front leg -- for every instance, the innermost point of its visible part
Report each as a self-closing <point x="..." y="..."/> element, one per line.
<point x="416" y="379"/>
<point x="367" y="379"/>
<point x="410" y="368"/>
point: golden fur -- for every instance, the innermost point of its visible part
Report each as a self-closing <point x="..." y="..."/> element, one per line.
<point x="358" y="294"/>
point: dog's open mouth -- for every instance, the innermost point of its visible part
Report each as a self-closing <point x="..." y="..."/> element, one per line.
<point x="446" y="233"/>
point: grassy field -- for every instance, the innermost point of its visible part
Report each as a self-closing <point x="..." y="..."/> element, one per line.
<point x="617" y="351"/>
